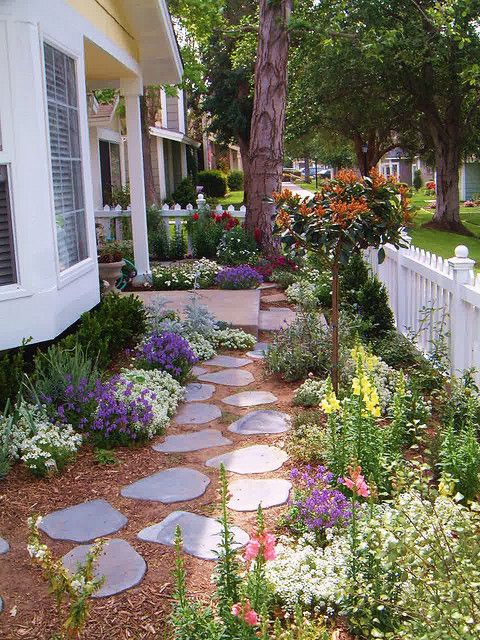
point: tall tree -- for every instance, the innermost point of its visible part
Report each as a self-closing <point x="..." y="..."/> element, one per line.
<point x="268" y="118"/>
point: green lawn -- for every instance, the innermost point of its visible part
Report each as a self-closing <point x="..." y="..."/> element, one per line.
<point x="443" y="243"/>
<point x="233" y="197"/>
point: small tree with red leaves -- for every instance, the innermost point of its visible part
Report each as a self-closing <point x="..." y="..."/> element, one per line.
<point x="347" y="215"/>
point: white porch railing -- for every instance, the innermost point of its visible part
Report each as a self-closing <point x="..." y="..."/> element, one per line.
<point x="416" y="279"/>
<point x="111" y="218"/>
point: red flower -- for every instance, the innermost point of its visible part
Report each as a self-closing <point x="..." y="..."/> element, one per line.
<point x="195" y="216"/>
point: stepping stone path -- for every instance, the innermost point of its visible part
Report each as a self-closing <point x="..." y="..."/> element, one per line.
<point x="198" y="371"/>
<point x="172" y="485"/>
<point x="4" y="546"/>
<point x="275" y="297"/>
<point x="257" y="459"/>
<point x="118" y="562"/>
<point x="275" y="318"/>
<point x="247" y="494"/>
<point x="259" y="351"/>
<point x="193" y="441"/>
<point x="250" y="398"/>
<point x="228" y="362"/>
<point x="261" y="422"/>
<point x="229" y="378"/>
<point x="197" y="413"/>
<point x="196" y="392"/>
<point x="268" y="285"/>
<point x="200" y="534"/>
<point x="83" y="522"/>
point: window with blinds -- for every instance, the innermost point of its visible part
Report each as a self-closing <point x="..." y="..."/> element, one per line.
<point x="8" y="272"/>
<point x="65" y="157"/>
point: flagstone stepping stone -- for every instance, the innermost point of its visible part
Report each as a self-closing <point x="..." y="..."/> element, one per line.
<point x="122" y="567"/>
<point x="276" y="318"/>
<point x="196" y="391"/>
<point x="260" y="422"/>
<point x="275" y="297"/>
<point x="193" y="441"/>
<point x="259" y="350"/>
<point x="250" y="398"/>
<point x="200" y="535"/>
<point x="198" y="371"/>
<point x="171" y="485"/>
<point x="83" y="522"/>
<point x="230" y="362"/>
<point x="1" y="604"/>
<point x="257" y="459"/>
<point x="197" y="413"/>
<point x="4" y="546"/>
<point x="229" y="377"/>
<point x="247" y="494"/>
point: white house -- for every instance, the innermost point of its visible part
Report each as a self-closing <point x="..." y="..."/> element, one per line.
<point x="53" y="53"/>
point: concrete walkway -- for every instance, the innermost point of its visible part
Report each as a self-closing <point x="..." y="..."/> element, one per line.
<point x="304" y="193"/>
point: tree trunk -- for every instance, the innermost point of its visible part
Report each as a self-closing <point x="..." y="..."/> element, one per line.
<point x="307" y="170"/>
<point x="447" y="213"/>
<point x="151" y="195"/>
<point x="268" y="120"/>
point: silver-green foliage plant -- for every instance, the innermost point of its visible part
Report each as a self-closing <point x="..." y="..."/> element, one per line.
<point x="231" y="338"/>
<point x="310" y="393"/>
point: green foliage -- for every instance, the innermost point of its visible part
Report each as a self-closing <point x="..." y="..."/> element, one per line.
<point x="121" y="197"/>
<point x="185" y="193"/>
<point x="417" y="180"/>
<point x="206" y="234"/>
<point x="187" y="275"/>
<point x="158" y="235"/>
<point x="310" y="393"/>
<point x="104" y="456"/>
<point x="12" y="367"/>
<point x="72" y="590"/>
<point x="237" y="246"/>
<point x="368" y="298"/>
<point x="307" y="440"/>
<point x="115" y="324"/>
<point x="214" y="183"/>
<point x="235" y="180"/>
<point x="284" y="277"/>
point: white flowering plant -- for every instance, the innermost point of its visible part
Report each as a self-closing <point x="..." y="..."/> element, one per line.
<point x="72" y="591"/>
<point x="185" y="275"/>
<point x="231" y="338"/>
<point x="310" y="393"/>
<point x="237" y="246"/>
<point x="44" y="446"/>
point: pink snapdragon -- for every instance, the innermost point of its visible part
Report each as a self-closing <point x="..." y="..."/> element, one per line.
<point x="245" y="613"/>
<point x="261" y="542"/>
<point x="356" y="482"/>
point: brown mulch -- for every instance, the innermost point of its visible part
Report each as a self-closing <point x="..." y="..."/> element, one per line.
<point x="141" y="612"/>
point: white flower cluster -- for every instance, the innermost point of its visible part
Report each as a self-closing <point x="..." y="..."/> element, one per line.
<point x="302" y="293"/>
<point x="185" y="275"/>
<point x="310" y="393"/>
<point x="307" y="575"/>
<point x="233" y="339"/>
<point x="201" y="347"/>
<point x="41" y="445"/>
<point x="168" y="393"/>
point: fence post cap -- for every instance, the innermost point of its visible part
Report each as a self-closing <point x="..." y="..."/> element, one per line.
<point x="461" y="251"/>
<point x="200" y="197"/>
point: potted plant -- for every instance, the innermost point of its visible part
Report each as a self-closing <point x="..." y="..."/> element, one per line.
<point x="110" y="263"/>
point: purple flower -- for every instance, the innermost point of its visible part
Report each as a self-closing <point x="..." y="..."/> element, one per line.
<point x="168" y="352"/>
<point x="316" y="503"/>
<point x="241" y="277"/>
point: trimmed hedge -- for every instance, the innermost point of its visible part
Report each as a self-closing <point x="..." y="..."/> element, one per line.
<point x="214" y="183"/>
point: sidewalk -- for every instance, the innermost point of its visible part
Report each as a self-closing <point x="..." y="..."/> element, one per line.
<point x="304" y="193"/>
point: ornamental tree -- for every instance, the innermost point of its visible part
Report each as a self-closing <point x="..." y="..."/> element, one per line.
<point x="347" y="215"/>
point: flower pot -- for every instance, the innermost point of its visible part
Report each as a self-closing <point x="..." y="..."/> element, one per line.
<point x="110" y="271"/>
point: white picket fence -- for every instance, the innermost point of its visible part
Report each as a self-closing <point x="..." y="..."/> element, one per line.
<point x="427" y="292"/>
<point x="111" y="218"/>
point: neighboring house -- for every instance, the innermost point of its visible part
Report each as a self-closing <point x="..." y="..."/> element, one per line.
<point x="469" y="179"/>
<point x="216" y="156"/>
<point x="52" y="53"/>
<point x="400" y="164"/>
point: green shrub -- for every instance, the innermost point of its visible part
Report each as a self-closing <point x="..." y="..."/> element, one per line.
<point x="205" y="233"/>
<point x="237" y="246"/>
<point x="158" y="235"/>
<point x="284" y="277"/>
<point x="235" y="180"/>
<point x="178" y="244"/>
<point x="307" y="439"/>
<point x="12" y="366"/>
<point x="417" y="180"/>
<point x="115" y="324"/>
<point x="185" y="193"/>
<point x="214" y="183"/>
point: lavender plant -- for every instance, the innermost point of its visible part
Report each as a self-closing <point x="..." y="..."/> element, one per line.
<point x="241" y="277"/>
<point x="168" y="352"/>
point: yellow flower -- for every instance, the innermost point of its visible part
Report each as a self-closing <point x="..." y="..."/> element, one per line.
<point x="330" y="403"/>
<point x="356" y="387"/>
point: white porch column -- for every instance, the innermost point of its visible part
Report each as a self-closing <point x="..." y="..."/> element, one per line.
<point x="132" y="90"/>
<point x="183" y="159"/>
<point x="162" y="179"/>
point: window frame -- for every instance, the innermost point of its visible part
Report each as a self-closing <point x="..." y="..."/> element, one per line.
<point x="82" y="267"/>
